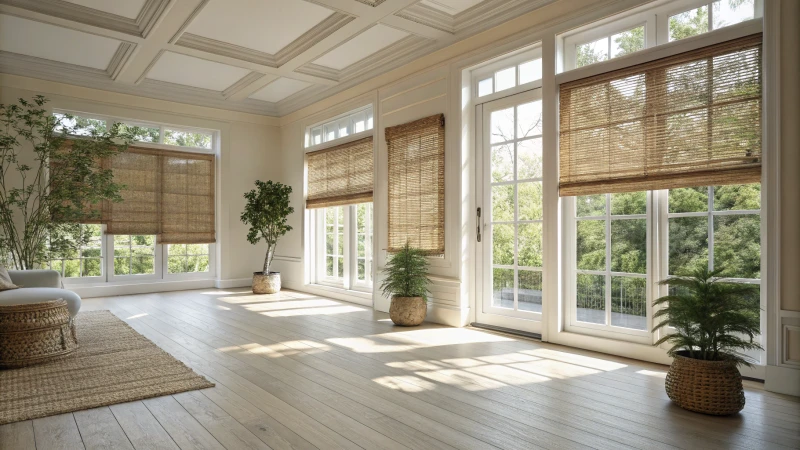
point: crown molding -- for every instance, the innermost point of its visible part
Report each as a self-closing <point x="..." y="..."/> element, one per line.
<point x="489" y="14"/>
<point x="310" y="38"/>
<point x="120" y="58"/>
<point x="242" y="83"/>
<point x="372" y="3"/>
<point x="151" y="13"/>
<point x="431" y="17"/>
<point x="316" y="70"/>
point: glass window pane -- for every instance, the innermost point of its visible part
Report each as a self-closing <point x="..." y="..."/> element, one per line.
<point x="529" y="200"/>
<point x="628" y="203"/>
<point x="502" y="163"/>
<point x="369" y="119"/>
<point x="591" y="298"/>
<point x="590" y="205"/>
<point x="729" y="12"/>
<point x="340" y="265"/>
<point x="122" y="266"/>
<point x="361" y="269"/>
<point x="629" y="302"/>
<point x="737" y="245"/>
<point x="142" y="265"/>
<point x="529" y="119"/>
<point x="503" y="203"/>
<point x="505" y="79"/>
<point x="329" y="131"/>
<point x="688" y="244"/>
<point x="737" y="197"/>
<point x="529" y="159"/>
<point x="530" y="71"/>
<point x="72" y="268"/>
<point x="92" y="267"/>
<point x="316" y="136"/>
<point x="503" y="288"/>
<point x="529" y="294"/>
<point x="683" y="200"/>
<point x="344" y="127"/>
<point x="529" y="245"/>
<point x="503" y="244"/>
<point x="485" y="87"/>
<point x="629" y="245"/>
<point x="141" y="133"/>
<point x="187" y="139"/>
<point x="502" y="125"/>
<point x="177" y="264"/>
<point x="689" y="23"/>
<point x="359" y="122"/>
<point x="329" y="266"/>
<point x="627" y="42"/>
<point x="591" y="244"/>
<point x="79" y="126"/>
<point x="591" y="52"/>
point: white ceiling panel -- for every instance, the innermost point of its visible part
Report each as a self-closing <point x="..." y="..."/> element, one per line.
<point x="371" y="41"/>
<point x="195" y="72"/>
<point x="280" y="89"/>
<point x="263" y="25"/>
<point x="451" y="7"/>
<point x="124" y="8"/>
<point x="28" y="37"/>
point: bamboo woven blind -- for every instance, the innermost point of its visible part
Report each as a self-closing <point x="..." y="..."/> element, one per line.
<point x="167" y="193"/>
<point x="341" y="175"/>
<point x="416" y="185"/>
<point x="692" y="119"/>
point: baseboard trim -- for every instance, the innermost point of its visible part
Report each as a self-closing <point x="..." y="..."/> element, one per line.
<point x="112" y="290"/>
<point x="783" y="380"/>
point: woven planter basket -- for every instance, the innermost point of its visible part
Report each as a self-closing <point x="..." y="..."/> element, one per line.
<point x="708" y="387"/>
<point x="35" y="333"/>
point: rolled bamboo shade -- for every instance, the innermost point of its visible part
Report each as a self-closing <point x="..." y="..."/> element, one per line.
<point x="692" y="119"/>
<point x="167" y="193"/>
<point x="341" y="175"/>
<point x="416" y="185"/>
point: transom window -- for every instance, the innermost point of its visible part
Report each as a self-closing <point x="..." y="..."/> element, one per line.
<point x="508" y="74"/>
<point x="649" y="26"/>
<point x="353" y="122"/>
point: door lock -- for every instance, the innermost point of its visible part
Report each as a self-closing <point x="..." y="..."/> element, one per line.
<point x="478" y="222"/>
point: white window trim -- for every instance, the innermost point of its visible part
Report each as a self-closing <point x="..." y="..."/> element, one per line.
<point x="489" y="68"/>
<point x="339" y="140"/>
<point x="349" y="281"/>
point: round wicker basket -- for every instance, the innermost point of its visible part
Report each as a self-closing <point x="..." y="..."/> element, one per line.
<point x="708" y="387"/>
<point x="35" y="333"/>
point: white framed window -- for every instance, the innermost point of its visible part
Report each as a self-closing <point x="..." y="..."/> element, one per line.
<point x="132" y="258"/>
<point x="356" y="122"/>
<point x="343" y="246"/>
<point x="508" y="74"/>
<point x="651" y="25"/>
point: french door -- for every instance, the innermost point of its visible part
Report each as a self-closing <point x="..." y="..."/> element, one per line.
<point x="509" y="195"/>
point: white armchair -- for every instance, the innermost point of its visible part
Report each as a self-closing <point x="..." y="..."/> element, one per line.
<point x="39" y="286"/>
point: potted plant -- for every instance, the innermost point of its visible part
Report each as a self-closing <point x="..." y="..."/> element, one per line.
<point x="712" y="321"/>
<point x="266" y="211"/>
<point x="406" y="283"/>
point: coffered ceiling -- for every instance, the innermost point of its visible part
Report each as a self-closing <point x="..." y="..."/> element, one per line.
<point x="261" y="56"/>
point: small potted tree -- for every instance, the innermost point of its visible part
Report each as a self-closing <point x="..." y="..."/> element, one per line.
<point x="266" y="211"/>
<point x="406" y="284"/>
<point x="712" y="321"/>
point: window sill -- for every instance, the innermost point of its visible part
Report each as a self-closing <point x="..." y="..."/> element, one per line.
<point x="128" y="287"/>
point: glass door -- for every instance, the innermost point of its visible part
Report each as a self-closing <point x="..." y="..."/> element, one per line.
<point x="509" y="194"/>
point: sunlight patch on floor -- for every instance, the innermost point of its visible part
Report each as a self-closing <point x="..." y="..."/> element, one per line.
<point x="554" y="369"/>
<point x="290" y="304"/>
<point x="572" y="358"/>
<point x="313" y="311"/>
<point x="507" y="374"/>
<point x="364" y="345"/>
<point x="405" y="383"/>
<point x="218" y="293"/>
<point x="652" y="373"/>
<point x="136" y="316"/>
<point x="443" y="336"/>
<point x="464" y="380"/>
<point x="416" y="365"/>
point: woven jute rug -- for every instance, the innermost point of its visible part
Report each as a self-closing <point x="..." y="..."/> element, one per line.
<point x="114" y="364"/>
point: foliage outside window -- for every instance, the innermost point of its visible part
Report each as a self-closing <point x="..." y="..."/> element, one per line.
<point x="134" y="255"/>
<point x="187" y="139"/>
<point x="188" y="258"/>
<point x="613" y="46"/>
<point x="509" y="77"/>
<point x="698" y="20"/>
<point x="334" y="242"/>
<point x="364" y="242"/>
<point x="87" y="260"/>
<point x="344" y="245"/>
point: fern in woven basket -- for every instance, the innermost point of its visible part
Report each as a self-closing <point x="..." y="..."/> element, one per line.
<point x="713" y="319"/>
<point x="406" y="274"/>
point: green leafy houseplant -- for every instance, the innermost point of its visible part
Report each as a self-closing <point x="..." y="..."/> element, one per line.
<point x="266" y="212"/>
<point x="50" y="180"/>
<point x="713" y="319"/>
<point x="406" y="283"/>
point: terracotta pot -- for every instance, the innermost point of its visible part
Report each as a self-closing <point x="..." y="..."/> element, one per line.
<point x="408" y="311"/>
<point x="708" y="387"/>
<point x="266" y="284"/>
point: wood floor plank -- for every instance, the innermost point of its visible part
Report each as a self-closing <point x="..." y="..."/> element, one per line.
<point x="57" y="433"/>
<point x="100" y="430"/>
<point x="302" y="371"/>
<point x="187" y="432"/>
<point x="229" y="432"/>
<point x="141" y="428"/>
<point x="17" y="436"/>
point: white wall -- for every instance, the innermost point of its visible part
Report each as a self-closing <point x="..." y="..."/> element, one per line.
<point x="249" y="149"/>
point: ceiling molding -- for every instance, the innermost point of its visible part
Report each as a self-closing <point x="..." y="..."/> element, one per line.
<point x="220" y="48"/>
<point x="149" y="67"/>
<point x="151" y="12"/>
<point x="245" y="81"/>
<point x="188" y="21"/>
<point x="315" y="70"/>
<point x="372" y="3"/>
<point x="432" y="17"/>
<point x="486" y="15"/>
<point x="311" y="37"/>
<point x="120" y="58"/>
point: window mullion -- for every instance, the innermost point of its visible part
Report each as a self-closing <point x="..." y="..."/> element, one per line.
<point x="711" y="228"/>
<point x="608" y="260"/>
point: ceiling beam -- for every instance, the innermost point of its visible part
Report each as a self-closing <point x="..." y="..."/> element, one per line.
<point x="249" y="89"/>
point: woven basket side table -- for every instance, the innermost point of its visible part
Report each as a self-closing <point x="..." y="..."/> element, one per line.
<point x="35" y="333"/>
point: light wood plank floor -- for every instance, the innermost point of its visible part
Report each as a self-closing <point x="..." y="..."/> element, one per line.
<point x="301" y="371"/>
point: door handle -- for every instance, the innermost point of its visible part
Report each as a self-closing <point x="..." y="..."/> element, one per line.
<point x="478" y="224"/>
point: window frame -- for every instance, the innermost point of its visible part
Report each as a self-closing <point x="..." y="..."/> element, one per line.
<point x="368" y="111"/>
<point x="86" y="280"/>
<point x="349" y="279"/>
<point x="491" y="67"/>
<point x="107" y="252"/>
